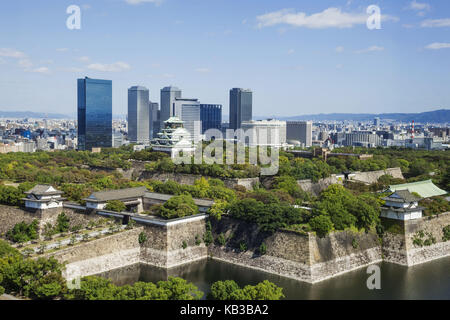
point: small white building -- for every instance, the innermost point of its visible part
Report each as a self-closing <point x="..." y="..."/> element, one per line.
<point x="402" y="205"/>
<point x="43" y="197"/>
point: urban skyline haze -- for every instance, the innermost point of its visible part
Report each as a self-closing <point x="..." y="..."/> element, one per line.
<point x="297" y="57"/>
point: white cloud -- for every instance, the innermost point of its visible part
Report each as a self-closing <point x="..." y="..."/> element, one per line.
<point x="290" y="51"/>
<point x="168" y="75"/>
<point x="202" y="70"/>
<point x="72" y="69"/>
<point x="2" y="61"/>
<point x="437" y="46"/>
<point x="25" y="63"/>
<point x="339" y="49"/>
<point x="339" y="66"/>
<point x="135" y="2"/>
<point x="62" y="49"/>
<point x="329" y="18"/>
<point x="436" y="23"/>
<point x="417" y="6"/>
<point x="84" y="59"/>
<point x="370" y="49"/>
<point x="114" y="67"/>
<point x="11" y="53"/>
<point x="43" y="70"/>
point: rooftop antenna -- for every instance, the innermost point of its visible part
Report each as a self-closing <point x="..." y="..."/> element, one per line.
<point x="412" y="131"/>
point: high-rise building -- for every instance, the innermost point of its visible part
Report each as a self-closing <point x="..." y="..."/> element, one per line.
<point x="138" y="115"/>
<point x="94" y="113"/>
<point x="168" y="96"/>
<point x="376" y="122"/>
<point x="300" y="131"/>
<point x="211" y="116"/>
<point x="188" y="110"/>
<point x="240" y="107"/>
<point x="269" y="132"/>
<point x="155" y="124"/>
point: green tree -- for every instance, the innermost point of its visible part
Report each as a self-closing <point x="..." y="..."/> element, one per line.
<point x="62" y="223"/>
<point x="115" y="205"/>
<point x="23" y="232"/>
<point x="178" y="206"/>
<point x="230" y="290"/>
<point x="322" y="225"/>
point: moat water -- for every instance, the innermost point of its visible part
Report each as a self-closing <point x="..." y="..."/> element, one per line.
<point x="425" y="281"/>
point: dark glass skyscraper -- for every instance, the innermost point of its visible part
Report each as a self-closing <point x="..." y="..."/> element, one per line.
<point x="240" y="107"/>
<point x="211" y="116"/>
<point x="94" y="113"/>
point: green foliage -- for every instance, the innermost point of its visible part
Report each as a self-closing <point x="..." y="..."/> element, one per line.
<point x="262" y="249"/>
<point x="177" y="207"/>
<point x="419" y="239"/>
<point x="322" y="225"/>
<point x="115" y="205"/>
<point x="230" y="290"/>
<point x="355" y="243"/>
<point x="96" y="288"/>
<point x="23" y="232"/>
<point x="7" y="250"/>
<point x="184" y="245"/>
<point x="221" y="239"/>
<point x="208" y="237"/>
<point x="270" y="217"/>
<point x="289" y="184"/>
<point x="347" y="210"/>
<point x="36" y="279"/>
<point x="142" y="238"/>
<point x="10" y="196"/>
<point x="435" y="205"/>
<point x="242" y="246"/>
<point x="218" y="209"/>
<point x="62" y="223"/>
<point x="446" y="233"/>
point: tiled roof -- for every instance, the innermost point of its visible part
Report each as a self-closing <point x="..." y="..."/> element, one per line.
<point x="42" y="189"/>
<point x="119" y="194"/>
<point x="402" y="196"/>
<point x="425" y="189"/>
<point x="165" y="197"/>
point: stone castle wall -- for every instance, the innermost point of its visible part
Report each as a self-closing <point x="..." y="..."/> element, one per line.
<point x="399" y="247"/>
<point x="164" y="245"/>
<point x="373" y="176"/>
<point x="302" y="257"/>
<point x="100" y="255"/>
<point x="367" y="177"/>
<point x="10" y="216"/>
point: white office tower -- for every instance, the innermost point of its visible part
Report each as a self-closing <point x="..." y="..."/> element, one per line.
<point x="138" y="115"/>
<point x="299" y="133"/>
<point x="271" y="133"/>
<point x="168" y="96"/>
<point x="188" y="110"/>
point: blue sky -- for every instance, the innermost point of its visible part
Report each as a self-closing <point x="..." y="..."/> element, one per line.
<point x="298" y="57"/>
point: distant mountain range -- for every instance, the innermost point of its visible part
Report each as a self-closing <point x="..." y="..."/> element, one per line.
<point x="438" y="116"/>
<point x="29" y="114"/>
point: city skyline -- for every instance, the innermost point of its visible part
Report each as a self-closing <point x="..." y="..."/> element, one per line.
<point x="308" y="65"/>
